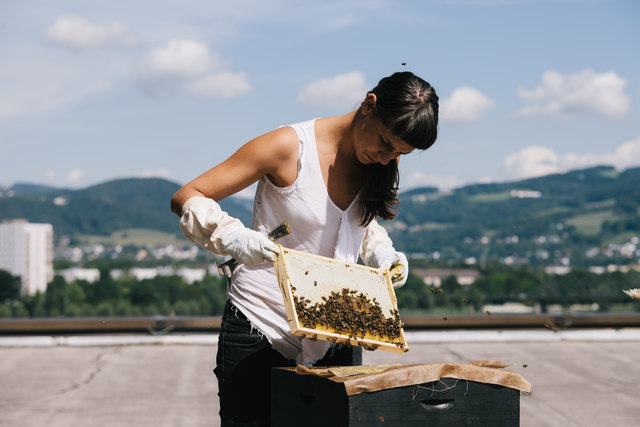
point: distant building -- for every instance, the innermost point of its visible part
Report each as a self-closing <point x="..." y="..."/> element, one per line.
<point x="26" y="250"/>
<point x="435" y="277"/>
<point x="190" y="275"/>
<point x="526" y="194"/>
<point x="508" y="307"/>
<point x="75" y="273"/>
<point x="558" y="270"/>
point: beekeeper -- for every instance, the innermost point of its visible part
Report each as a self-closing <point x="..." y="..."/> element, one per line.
<point x="330" y="178"/>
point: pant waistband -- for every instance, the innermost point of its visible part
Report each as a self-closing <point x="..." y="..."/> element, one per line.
<point x="235" y="310"/>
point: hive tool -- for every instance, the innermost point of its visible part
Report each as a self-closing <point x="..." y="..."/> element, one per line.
<point x="226" y="268"/>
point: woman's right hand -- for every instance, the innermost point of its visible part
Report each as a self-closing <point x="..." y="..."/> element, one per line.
<point x="274" y="155"/>
<point x="207" y="225"/>
<point x="248" y="246"/>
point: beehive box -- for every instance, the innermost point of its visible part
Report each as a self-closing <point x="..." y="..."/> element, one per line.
<point x="314" y="401"/>
<point x="344" y="303"/>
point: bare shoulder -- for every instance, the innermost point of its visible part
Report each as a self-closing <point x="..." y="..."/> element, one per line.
<point x="275" y="154"/>
<point x="281" y="143"/>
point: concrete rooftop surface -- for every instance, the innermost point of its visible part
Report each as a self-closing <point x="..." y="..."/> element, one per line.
<point x="592" y="379"/>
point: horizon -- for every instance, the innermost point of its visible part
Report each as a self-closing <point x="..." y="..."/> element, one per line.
<point x="248" y="192"/>
<point x="97" y="91"/>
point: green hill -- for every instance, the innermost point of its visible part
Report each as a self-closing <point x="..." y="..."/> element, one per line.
<point x="577" y="216"/>
<point x="133" y="203"/>
<point x="564" y="212"/>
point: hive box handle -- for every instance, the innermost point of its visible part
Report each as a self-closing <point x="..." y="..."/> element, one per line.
<point x="437" y="405"/>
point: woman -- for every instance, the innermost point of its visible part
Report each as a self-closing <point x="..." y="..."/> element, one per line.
<point x="330" y="178"/>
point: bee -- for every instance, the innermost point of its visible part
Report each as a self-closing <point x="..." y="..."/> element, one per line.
<point x="350" y="314"/>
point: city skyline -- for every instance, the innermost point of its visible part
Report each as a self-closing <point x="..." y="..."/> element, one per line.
<point x="100" y="91"/>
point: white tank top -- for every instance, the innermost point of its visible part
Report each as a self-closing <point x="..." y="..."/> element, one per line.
<point x="318" y="226"/>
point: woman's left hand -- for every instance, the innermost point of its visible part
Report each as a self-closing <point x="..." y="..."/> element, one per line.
<point x="396" y="262"/>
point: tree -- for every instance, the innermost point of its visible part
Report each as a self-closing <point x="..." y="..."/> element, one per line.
<point x="414" y="295"/>
<point x="10" y="286"/>
<point x="55" y="300"/>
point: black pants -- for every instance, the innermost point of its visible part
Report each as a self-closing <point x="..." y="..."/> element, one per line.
<point x="243" y="369"/>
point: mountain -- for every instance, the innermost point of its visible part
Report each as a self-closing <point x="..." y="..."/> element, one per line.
<point x="104" y="208"/>
<point x="584" y="216"/>
<point x="564" y="214"/>
<point x="24" y="189"/>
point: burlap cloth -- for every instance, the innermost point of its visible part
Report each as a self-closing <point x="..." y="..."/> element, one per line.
<point x="361" y="379"/>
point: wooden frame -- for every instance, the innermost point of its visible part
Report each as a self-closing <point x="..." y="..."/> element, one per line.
<point x="313" y="277"/>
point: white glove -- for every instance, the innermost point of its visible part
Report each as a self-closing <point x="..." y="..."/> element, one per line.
<point x="396" y="262"/>
<point x="248" y="246"/>
<point x="207" y="225"/>
<point x="377" y="251"/>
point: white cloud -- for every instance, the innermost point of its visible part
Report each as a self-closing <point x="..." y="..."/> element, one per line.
<point x="37" y="86"/>
<point x="342" y="91"/>
<point x="465" y="105"/>
<point x="78" y="32"/>
<point x="155" y="173"/>
<point x="333" y="22"/>
<point x="188" y="65"/>
<point x="75" y="176"/>
<point x="534" y="160"/>
<point x="538" y="160"/>
<point x="442" y="182"/>
<point x="180" y="58"/>
<point x="624" y="156"/>
<point x="564" y="96"/>
<point x="220" y="85"/>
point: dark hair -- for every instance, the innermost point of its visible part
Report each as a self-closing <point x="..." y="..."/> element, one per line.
<point x="408" y="106"/>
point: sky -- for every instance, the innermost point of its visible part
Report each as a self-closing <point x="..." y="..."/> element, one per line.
<point x="100" y="90"/>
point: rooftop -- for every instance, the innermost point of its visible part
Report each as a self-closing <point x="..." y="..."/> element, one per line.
<point x="579" y="378"/>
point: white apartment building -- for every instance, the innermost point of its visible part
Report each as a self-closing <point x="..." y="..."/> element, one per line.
<point x="26" y="250"/>
<point x="435" y="277"/>
<point x="75" y="273"/>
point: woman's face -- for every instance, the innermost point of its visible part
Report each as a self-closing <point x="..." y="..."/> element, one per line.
<point x="373" y="142"/>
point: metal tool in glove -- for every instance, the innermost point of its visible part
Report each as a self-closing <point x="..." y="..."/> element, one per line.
<point x="227" y="267"/>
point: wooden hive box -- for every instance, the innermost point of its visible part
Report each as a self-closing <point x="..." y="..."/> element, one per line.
<point x="344" y="303"/>
<point x="314" y="401"/>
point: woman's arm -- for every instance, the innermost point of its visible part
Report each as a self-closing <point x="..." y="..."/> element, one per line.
<point x="203" y="221"/>
<point x="377" y="251"/>
<point x="274" y="154"/>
